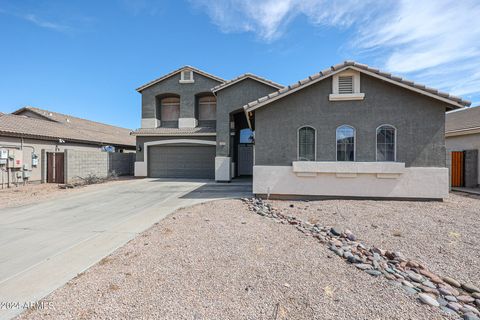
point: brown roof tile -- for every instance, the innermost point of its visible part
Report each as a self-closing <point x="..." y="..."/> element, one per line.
<point x="66" y="127"/>
<point x="198" y="131"/>
<point x="463" y="119"/>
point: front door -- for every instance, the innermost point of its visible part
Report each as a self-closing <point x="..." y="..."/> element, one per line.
<point x="245" y="159"/>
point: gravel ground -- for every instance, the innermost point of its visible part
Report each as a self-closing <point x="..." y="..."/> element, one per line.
<point x="220" y="261"/>
<point x="444" y="235"/>
<point x="31" y="193"/>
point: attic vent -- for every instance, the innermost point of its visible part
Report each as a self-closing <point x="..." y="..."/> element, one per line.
<point x="186" y="76"/>
<point x="345" y="84"/>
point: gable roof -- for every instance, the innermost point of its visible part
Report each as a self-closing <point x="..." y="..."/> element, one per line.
<point x="463" y="121"/>
<point x="453" y="101"/>
<point x="246" y="76"/>
<point x="168" y="75"/>
<point x="56" y="126"/>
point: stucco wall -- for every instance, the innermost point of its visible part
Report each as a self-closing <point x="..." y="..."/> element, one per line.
<point x="465" y="142"/>
<point x="420" y="123"/>
<point x="186" y="91"/>
<point x="35" y="145"/>
<point x="234" y="98"/>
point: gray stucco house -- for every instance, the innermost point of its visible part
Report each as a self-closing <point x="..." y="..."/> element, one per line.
<point x="350" y="130"/>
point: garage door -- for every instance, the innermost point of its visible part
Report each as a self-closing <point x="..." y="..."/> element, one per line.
<point x="194" y="162"/>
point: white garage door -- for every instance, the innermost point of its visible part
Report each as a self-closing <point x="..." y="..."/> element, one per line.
<point x="190" y="162"/>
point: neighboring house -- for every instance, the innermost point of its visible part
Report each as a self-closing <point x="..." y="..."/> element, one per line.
<point x="31" y="133"/>
<point x="462" y="138"/>
<point x="350" y="131"/>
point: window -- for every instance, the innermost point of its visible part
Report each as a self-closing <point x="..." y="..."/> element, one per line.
<point x="306" y="144"/>
<point x="246" y="136"/>
<point x="345" y="143"/>
<point x="386" y="140"/>
<point x="186" y="76"/>
<point x="207" y="107"/>
<point x="169" y="111"/>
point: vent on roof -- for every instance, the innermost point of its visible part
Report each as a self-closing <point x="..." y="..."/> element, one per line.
<point x="345" y="84"/>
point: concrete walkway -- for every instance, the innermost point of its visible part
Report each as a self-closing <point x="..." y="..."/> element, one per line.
<point x="44" y="245"/>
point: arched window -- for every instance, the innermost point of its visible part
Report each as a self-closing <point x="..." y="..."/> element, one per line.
<point x="386" y="143"/>
<point x="207" y="108"/>
<point x="306" y="144"/>
<point x="169" y="111"/>
<point x="345" y="143"/>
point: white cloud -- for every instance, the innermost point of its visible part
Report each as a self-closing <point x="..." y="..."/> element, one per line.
<point x="434" y="41"/>
<point x="44" y="23"/>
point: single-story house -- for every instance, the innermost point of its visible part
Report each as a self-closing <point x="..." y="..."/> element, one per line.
<point x="348" y="131"/>
<point x="462" y="139"/>
<point x="30" y="135"/>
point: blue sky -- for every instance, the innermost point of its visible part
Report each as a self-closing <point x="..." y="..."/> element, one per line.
<point x="86" y="58"/>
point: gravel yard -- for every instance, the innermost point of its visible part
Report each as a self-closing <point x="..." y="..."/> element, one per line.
<point x="444" y="235"/>
<point x="31" y="193"/>
<point x="220" y="261"/>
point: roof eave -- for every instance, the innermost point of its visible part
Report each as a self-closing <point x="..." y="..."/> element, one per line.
<point x="248" y="76"/>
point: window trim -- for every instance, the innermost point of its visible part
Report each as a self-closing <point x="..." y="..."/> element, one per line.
<point x="298" y="142"/>
<point x="337" y="96"/>
<point x="354" y="143"/>
<point x="395" y="142"/>
<point x="182" y="77"/>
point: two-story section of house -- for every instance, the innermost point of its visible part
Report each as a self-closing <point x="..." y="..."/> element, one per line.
<point x="194" y="127"/>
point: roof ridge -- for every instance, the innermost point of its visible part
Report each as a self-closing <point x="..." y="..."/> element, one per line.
<point x="244" y="76"/>
<point x="168" y="75"/>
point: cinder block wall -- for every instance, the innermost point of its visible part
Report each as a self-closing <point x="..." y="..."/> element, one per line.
<point x="80" y="164"/>
<point x="471" y="169"/>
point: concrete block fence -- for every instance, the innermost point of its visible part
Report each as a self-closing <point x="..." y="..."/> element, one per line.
<point x="80" y="164"/>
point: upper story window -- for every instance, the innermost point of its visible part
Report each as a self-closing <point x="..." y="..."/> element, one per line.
<point x="386" y="143"/>
<point x="306" y="144"/>
<point x="207" y="111"/>
<point x="186" y="76"/>
<point x="346" y="86"/>
<point x="345" y="143"/>
<point x="169" y="111"/>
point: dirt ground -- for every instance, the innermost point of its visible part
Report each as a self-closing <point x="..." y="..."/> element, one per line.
<point x="32" y="193"/>
<point x="220" y="261"/>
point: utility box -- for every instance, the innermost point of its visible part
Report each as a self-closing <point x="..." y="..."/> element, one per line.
<point x="15" y="158"/>
<point x="3" y="154"/>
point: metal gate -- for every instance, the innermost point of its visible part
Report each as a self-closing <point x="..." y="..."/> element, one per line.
<point x="457" y="170"/>
<point x="55" y="167"/>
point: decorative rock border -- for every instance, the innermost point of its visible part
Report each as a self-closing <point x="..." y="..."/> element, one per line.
<point x="452" y="296"/>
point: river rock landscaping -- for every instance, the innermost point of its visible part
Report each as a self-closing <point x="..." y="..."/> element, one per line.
<point x="444" y="292"/>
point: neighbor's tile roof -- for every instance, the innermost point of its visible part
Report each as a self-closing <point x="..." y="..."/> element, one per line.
<point x="61" y="126"/>
<point x="463" y="119"/>
<point x="168" y="75"/>
<point x="457" y="101"/>
<point x="246" y="76"/>
<point x="198" y="131"/>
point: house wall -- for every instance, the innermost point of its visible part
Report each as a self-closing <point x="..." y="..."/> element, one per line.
<point x="231" y="99"/>
<point x="36" y="146"/>
<point x="420" y="123"/>
<point x="186" y="91"/>
<point x="465" y="142"/>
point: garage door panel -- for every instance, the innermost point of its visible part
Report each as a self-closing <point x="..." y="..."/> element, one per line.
<point x="195" y="162"/>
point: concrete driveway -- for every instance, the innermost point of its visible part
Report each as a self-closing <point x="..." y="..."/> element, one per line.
<point x="44" y="245"/>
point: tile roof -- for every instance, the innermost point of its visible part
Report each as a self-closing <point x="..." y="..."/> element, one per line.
<point x="61" y="126"/>
<point x="463" y="119"/>
<point x="246" y="76"/>
<point x="168" y="75"/>
<point x="452" y="100"/>
<point x="198" y="131"/>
